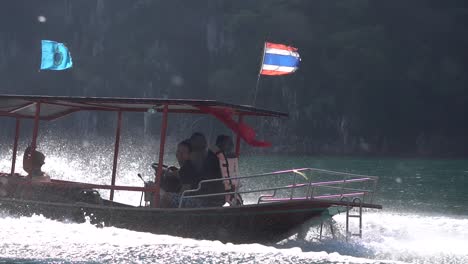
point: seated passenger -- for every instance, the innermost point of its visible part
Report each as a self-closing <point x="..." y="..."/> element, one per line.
<point x="207" y="165"/>
<point x="32" y="164"/>
<point x="187" y="174"/>
<point x="224" y="150"/>
<point x="199" y="150"/>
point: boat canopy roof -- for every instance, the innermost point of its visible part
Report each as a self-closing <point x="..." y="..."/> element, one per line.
<point x="53" y="107"/>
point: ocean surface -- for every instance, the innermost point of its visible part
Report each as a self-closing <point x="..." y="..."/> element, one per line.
<point x="424" y="219"/>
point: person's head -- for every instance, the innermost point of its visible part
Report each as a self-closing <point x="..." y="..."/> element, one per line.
<point x="37" y="159"/>
<point x="183" y="152"/>
<point x="224" y="143"/>
<point x="198" y="142"/>
<point x="32" y="161"/>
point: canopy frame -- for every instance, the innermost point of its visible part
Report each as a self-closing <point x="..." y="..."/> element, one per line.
<point x="49" y="108"/>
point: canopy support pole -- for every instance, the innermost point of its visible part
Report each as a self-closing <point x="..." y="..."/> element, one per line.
<point x="36" y="127"/>
<point x="116" y="152"/>
<point x="15" y="146"/>
<point x="162" y="142"/>
<point x="238" y="139"/>
<point x="35" y="132"/>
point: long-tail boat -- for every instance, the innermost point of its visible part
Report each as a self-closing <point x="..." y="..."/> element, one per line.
<point x="276" y="213"/>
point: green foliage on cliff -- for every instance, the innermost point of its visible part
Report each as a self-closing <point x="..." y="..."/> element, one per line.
<point x="384" y="77"/>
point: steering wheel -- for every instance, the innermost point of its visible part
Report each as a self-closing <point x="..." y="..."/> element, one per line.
<point x="155" y="166"/>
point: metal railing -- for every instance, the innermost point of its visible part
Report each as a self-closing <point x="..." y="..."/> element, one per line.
<point x="315" y="184"/>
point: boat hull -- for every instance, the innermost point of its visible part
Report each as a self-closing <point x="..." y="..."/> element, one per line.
<point x="250" y="223"/>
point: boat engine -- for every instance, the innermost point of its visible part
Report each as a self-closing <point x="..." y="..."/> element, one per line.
<point x="149" y="196"/>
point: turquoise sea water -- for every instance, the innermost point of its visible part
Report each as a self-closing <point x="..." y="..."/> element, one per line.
<point x="418" y="185"/>
<point x="424" y="220"/>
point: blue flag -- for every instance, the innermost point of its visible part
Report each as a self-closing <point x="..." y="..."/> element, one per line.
<point x="55" y="56"/>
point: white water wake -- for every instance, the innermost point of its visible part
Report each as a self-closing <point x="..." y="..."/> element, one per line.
<point x="387" y="238"/>
<point x="43" y="240"/>
<point x="417" y="238"/>
<point x="394" y="236"/>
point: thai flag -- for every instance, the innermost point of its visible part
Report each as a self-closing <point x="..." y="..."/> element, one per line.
<point x="279" y="59"/>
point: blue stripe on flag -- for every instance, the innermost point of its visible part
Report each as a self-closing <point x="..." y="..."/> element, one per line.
<point x="281" y="60"/>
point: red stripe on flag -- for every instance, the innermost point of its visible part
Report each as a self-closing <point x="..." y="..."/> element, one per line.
<point x="270" y="72"/>
<point x="280" y="46"/>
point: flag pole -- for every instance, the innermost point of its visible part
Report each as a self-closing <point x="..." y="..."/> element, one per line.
<point x="259" y="73"/>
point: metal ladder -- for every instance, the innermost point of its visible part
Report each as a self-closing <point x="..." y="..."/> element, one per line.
<point x="350" y="215"/>
<point x="331" y="229"/>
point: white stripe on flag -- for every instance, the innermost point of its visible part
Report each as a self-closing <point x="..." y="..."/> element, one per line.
<point x="269" y="67"/>
<point x="282" y="52"/>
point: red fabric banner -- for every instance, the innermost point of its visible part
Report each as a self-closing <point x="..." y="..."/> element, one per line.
<point x="243" y="130"/>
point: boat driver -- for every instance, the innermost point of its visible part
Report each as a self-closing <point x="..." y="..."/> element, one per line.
<point x="32" y="164"/>
<point x="187" y="174"/>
